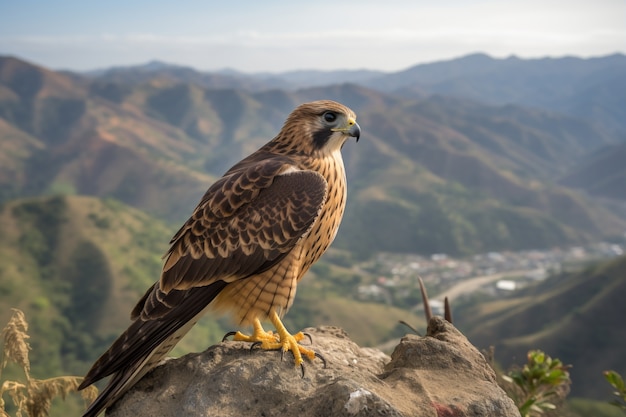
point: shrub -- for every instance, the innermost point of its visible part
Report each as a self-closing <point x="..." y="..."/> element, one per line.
<point x="540" y="385"/>
<point x="31" y="396"/>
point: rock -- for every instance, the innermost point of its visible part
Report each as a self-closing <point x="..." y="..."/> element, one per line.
<point x="440" y="374"/>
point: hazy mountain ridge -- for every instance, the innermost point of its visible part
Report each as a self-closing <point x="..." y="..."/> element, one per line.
<point x="290" y="80"/>
<point x="582" y="88"/>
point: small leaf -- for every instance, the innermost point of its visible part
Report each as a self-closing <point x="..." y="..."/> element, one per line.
<point x="615" y="379"/>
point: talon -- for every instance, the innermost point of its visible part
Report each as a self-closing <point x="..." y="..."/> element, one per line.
<point x="281" y="340"/>
<point x="317" y="355"/>
<point x="227" y="335"/>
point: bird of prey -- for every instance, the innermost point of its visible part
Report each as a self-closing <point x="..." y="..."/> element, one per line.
<point x="254" y="234"/>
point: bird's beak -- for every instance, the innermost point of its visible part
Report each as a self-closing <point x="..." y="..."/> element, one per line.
<point x="352" y="128"/>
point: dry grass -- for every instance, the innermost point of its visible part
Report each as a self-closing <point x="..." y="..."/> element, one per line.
<point x="31" y="397"/>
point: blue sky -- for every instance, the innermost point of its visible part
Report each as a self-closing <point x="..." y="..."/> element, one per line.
<point x="274" y="35"/>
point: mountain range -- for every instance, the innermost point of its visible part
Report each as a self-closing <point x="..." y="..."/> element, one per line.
<point x="460" y="157"/>
<point x="439" y="173"/>
<point x="592" y="89"/>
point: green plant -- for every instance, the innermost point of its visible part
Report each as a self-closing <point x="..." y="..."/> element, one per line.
<point x="31" y="396"/>
<point x="617" y="382"/>
<point x="540" y="385"/>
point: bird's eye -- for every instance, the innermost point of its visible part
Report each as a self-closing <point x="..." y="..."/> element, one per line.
<point x="330" y="117"/>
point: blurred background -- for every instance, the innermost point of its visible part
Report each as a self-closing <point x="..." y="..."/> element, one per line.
<point x="492" y="164"/>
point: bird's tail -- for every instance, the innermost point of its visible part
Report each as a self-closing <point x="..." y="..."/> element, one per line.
<point x="108" y="395"/>
<point x="142" y="346"/>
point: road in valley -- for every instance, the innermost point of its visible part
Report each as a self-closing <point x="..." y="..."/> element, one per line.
<point x="472" y="284"/>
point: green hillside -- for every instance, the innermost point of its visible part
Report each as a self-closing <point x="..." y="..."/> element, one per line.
<point x="603" y="173"/>
<point x="576" y="317"/>
<point x="75" y="266"/>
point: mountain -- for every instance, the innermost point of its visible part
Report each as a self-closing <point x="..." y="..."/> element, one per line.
<point x="161" y="72"/>
<point x="434" y="180"/>
<point x="592" y="89"/>
<point x="62" y="138"/>
<point x="437" y="174"/>
<point x="227" y="78"/>
<point x="601" y="173"/>
<point x="573" y="316"/>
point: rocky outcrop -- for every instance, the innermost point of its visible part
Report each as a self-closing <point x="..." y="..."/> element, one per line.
<point x="440" y="374"/>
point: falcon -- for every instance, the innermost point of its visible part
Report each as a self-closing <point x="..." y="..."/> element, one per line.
<point x="254" y="234"/>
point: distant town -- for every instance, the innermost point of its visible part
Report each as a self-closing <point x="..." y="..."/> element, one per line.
<point x="396" y="275"/>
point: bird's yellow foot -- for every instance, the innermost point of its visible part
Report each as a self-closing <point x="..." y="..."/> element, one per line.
<point x="281" y="340"/>
<point x="259" y="335"/>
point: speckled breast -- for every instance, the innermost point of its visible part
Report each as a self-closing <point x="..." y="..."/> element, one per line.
<point x="325" y="228"/>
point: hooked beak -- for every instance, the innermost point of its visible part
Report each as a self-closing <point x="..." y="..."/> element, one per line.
<point x="352" y="129"/>
<point x="355" y="131"/>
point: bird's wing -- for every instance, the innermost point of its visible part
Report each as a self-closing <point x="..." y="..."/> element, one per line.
<point x="246" y="222"/>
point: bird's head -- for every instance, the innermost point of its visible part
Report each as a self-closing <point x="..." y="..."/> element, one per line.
<point x="320" y="127"/>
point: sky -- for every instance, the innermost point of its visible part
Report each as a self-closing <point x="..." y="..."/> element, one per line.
<point x="277" y="36"/>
